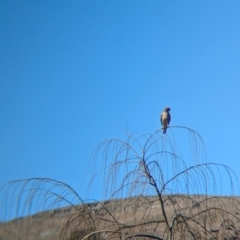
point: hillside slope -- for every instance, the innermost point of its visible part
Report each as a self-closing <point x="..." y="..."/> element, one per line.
<point x="134" y="215"/>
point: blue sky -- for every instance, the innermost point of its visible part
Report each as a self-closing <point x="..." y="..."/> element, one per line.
<point x="75" y="73"/>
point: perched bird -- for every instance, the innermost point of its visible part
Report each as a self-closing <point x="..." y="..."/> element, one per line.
<point x="165" y="119"/>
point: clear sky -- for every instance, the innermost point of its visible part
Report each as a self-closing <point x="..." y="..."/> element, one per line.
<point x="75" y="73"/>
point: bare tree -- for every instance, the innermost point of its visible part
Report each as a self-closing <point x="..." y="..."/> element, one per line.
<point x="152" y="190"/>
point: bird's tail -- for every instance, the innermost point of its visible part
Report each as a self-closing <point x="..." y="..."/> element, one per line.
<point x="164" y="130"/>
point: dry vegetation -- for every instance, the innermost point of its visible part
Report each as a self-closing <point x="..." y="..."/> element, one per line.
<point x="153" y="191"/>
<point x="137" y="215"/>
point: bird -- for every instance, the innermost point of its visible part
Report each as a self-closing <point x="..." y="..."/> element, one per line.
<point x="165" y="118"/>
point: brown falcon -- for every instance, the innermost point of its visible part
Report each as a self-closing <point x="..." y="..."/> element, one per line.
<point x="165" y="119"/>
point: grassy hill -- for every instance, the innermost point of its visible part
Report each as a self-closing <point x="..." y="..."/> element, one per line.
<point x="119" y="219"/>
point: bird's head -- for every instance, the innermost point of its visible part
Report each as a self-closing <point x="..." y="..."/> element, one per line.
<point x="167" y="109"/>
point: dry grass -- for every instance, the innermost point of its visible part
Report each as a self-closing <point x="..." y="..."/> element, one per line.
<point x="134" y="215"/>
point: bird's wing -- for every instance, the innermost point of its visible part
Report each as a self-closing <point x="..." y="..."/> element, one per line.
<point x="169" y="118"/>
